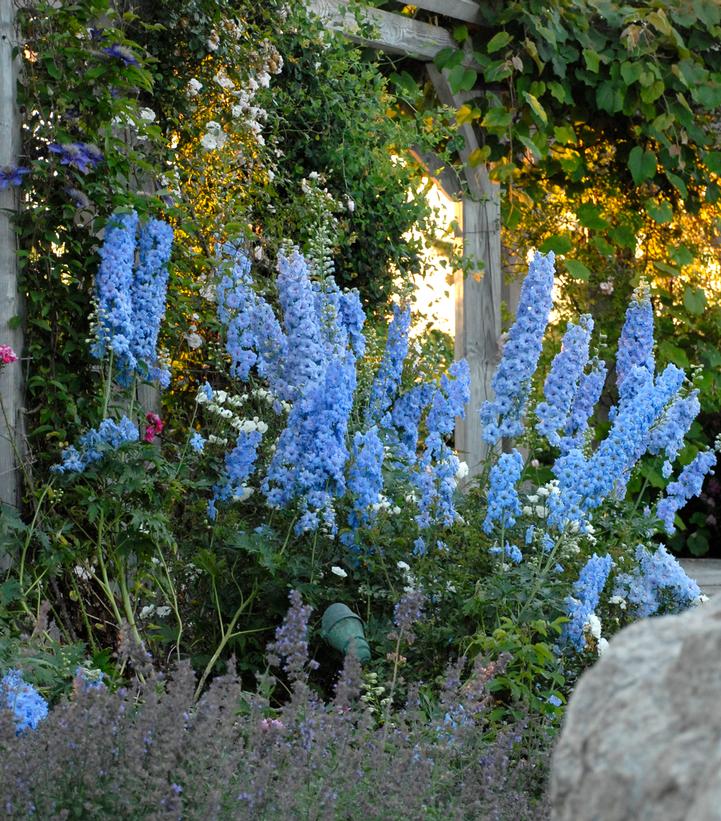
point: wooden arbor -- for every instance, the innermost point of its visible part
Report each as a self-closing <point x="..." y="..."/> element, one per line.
<point x="478" y="299"/>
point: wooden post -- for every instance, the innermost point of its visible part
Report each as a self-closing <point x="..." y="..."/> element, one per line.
<point x="11" y="422"/>
<point x="479" y="294"/>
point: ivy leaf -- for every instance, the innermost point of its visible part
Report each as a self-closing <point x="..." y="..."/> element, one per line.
<point x="672" y="353"/>
<point x="589" y="215"/>
<point x="460" y="34"/>
<point x="497" y="118"/>
<point x="498" y="41"/>
<point x="642" y="164"/>
<point x="558" y="243"/>
<point x="681" y="255"/>
<point x="661" y="211"/>
<point x="479" y="155"/>
<point x="631" y="72"/>
<point x="462" y="79"/>
<point x="592" y="58"/>
<point x="536" y="107"/>
<point x="577" y="269"/>
<point x="467" y="114"/>
<point x="653" y="92"/>
<point x="532" y="147"/>
<point x="712" y="159"/>
<point x="609" y="97"/>
<point x="665" y="268"/>
<point x="624" y="236"/>
<point x="678" y="184"/>
<point x="694" y="300"/>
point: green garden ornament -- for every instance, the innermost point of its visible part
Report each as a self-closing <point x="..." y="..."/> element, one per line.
<point x="343" y="629"/>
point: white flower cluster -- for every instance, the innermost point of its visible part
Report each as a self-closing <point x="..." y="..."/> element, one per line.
<point x="592" y="631"/>
<point x="387" y="505"/>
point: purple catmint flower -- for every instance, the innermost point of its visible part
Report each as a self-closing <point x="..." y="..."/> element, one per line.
<point x="563" y="380"/>
<point x="12" y="176"/>
<point x="388" y="378"/>
<point x="409" y="612"/>
<point x="503" y="502"/>
<point x="688" y="485"/>
<point x="290" y="648"/>
<point x="587" y="591"/>
<point x="635" y="345"/>
<point x="503" y="415"/>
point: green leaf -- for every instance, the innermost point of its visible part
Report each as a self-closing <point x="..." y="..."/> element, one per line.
<point x="653" y="92"/>
<point x="498" y="41"/>
<point x="678" y="184"/>
<point x="665" y="268"/>
<point x="589" y="215"/>
<point x="631" y="72"/>
<point x="462" y="79"/>
<point x="592" y="58"/>
<point x="497" y="118"/>
<point x="564" y="134"/>
<point x="681" y="255"/>
<point x="609" y="97"/>
<point x="697" y="543"/>
<point x="479" y="155"/>
<point x="536" y="107"/>
<point x="460" y="34"/>
<point x="531" y="146"/>
<point x="577" y="269"/>
<point x="558" y="243"/>
<point x="694" y="300"/>
<point x="661" y="211"/>
<point x="623" y="235"/>
<point x="642" y="164"/>
<point x="712" y="159"/>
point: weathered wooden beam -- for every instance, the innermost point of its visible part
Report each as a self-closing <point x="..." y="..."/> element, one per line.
<point x="478" y="294"/>
<point x="11" y="420"/>
<point x="394" y="33"/>
<point x="467" y="11"/>
<point x="443" y="173"/>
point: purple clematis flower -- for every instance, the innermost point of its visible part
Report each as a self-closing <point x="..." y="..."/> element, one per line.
<point x="12" y="175"/>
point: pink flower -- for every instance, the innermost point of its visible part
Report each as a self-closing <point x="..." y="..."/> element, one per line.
<point x="268" y="724"/>
<point x="155" y="426"/>
<point x="7" y="355"/>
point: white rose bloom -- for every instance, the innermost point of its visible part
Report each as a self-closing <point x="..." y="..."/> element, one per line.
<point x="147" y="611"/>
<point x="602" y="646"/>
<point x="220" y="397"/>
<point x="462" y="471"/>
<point x="338" y="571"/>
<point x="541" y="511"/>
<point x="147" y="114"/>
<point x="593" y="624"/>
<point x="194" y="87"/>
<point x="403" y="566"/>
<point x="209" y="142"/>
<point x="163" y="611"/>
<point x="224" y="81"/>
<point x="194" y="341"/>
<point x="527" y="510"/>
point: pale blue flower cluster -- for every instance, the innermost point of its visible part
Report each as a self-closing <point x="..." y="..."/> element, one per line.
<point x="563" y="380"/>
<point x="503" y="502"/>
<point x="435" y="476"/>
<point x="365" y="477"/>
<point x="688" y="485"/>
<point x="388" y="378"/>
<point x="584" y="484"/>
<point x="239" y="465"/>
<point x="590" y="387"/>
<point x="635" y="345"/>
<point x="668" y="435"/>
<point x="131" y="299"/>
<point x="658" y="583"/>
<point x="95" y="444"/>
<point x="405" y="418"/>
<point x="197" y="442"/>
<point x="587" y="591"/>
<point x="503" y="415"/>
<point x="28" y="707"/>
<point x="510" y="551"/>
<point x="309" y="461"/>
<point x="254" y="338"/>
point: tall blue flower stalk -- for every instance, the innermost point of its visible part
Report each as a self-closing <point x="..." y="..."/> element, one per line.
<point x="688" y="485"/>
<point x="590" y="387"/>
<point x="239" y="466"/>
<point x="148" y="295"/>
<point x="94" y="445"/>
<point x="113" y="285"/>
<point x="563" y="380"/>
<point x="503" y="415"/>
<point x="584" y="484"/>
<point x="503" y="502"/>
<point x="308" y="466"/>
<point x="388" y="378"/>
<point x="365" y="477"/>
<point x="405" y="419"/>
<point x="667" y="437"/>
<point x="635" y="345"/>
<point x="587" y="591"/>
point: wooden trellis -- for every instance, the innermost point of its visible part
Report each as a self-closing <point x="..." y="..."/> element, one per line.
<point x="478" y="298"/>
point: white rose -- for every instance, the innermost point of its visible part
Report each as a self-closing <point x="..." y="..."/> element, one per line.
<point x="338" y="571"/>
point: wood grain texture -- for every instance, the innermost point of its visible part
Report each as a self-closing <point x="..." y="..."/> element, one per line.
<point x="11" y="420"/>
<point x="467" y="11"/>
<point x="479" y="294"/>
<point x="393" y="33"/>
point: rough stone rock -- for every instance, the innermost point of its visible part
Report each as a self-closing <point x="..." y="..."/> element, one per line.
<point x="642" y="736"/>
